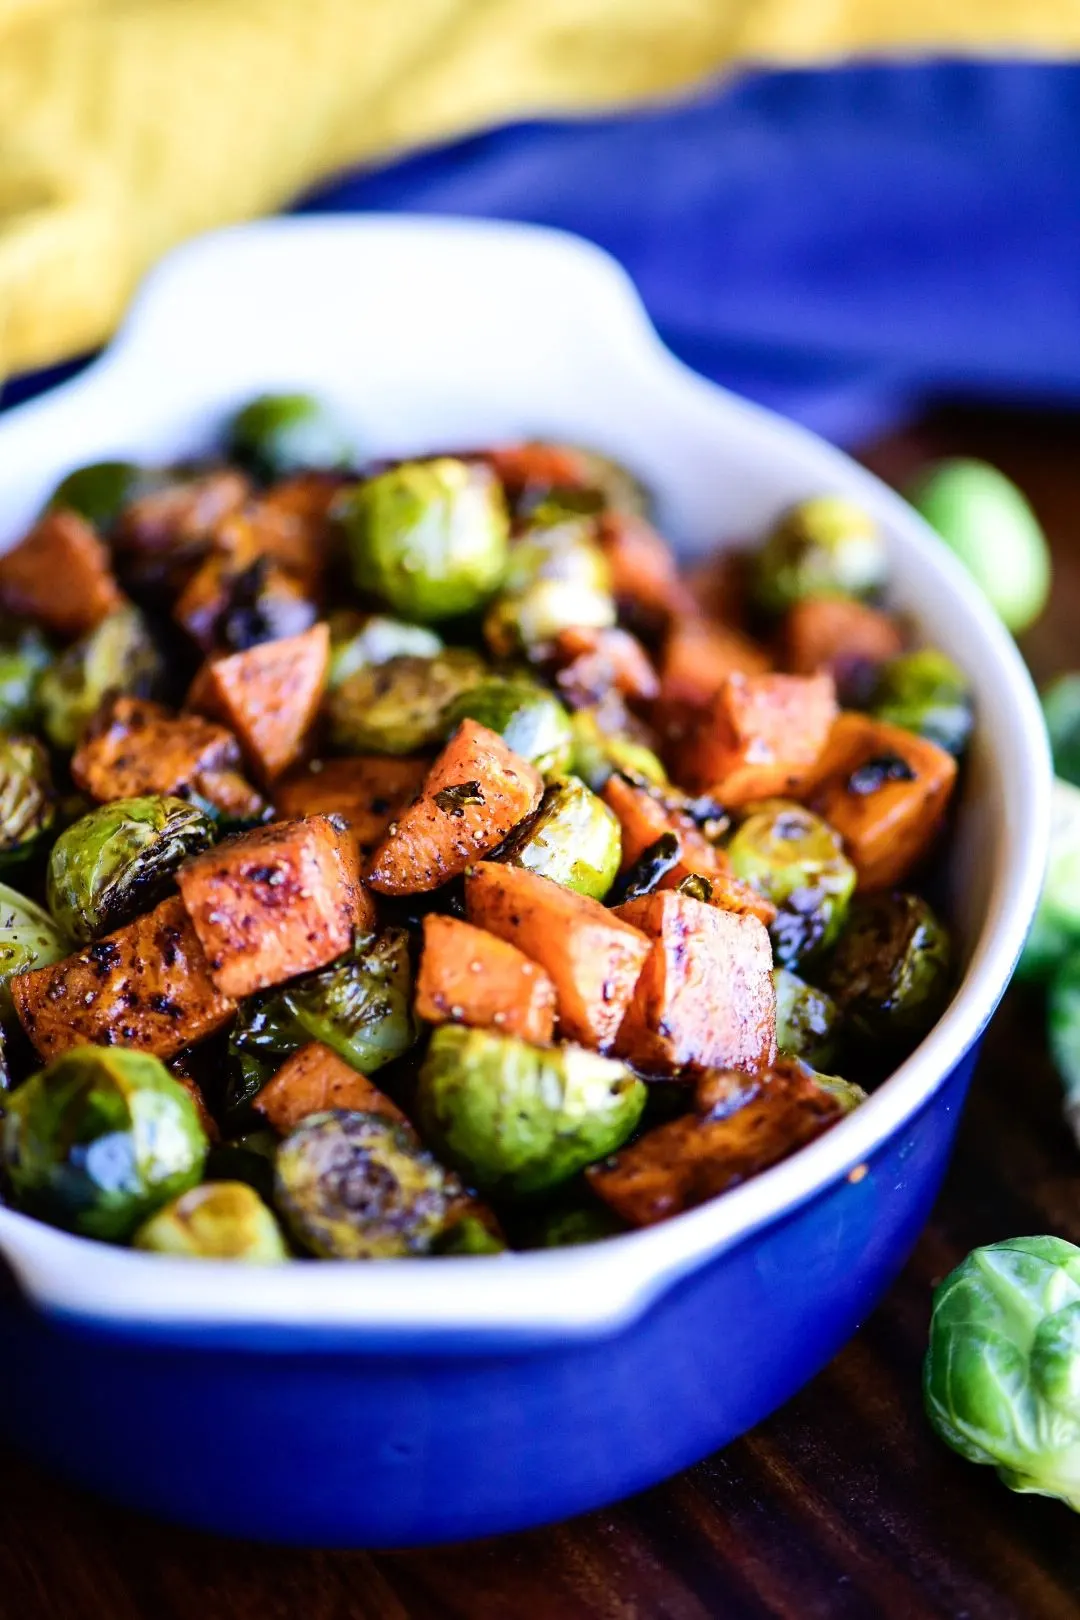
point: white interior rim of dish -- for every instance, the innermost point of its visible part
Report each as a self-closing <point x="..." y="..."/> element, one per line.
<point x="593" y="1288"/>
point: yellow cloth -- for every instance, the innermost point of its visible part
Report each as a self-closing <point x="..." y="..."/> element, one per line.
<point x="126" y="125"/>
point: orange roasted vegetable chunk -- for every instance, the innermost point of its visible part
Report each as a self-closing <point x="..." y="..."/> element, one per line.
<point x="691" y="1159"/>
<point x="837" y="636"/>
<point x="146" y="987"/>
<point x="885" y="790"/>
<point x="592" y="957"/>
<point x="289" y="524"/>
<point x="590" y="663"/>
<point x="313" y="1080"/>
<point x="229" y="592"/>
<point x="161" y="536"/>
<point x="705" y="996"/>
<point x="275" y="902"/>
<point x="476" y="791"/>
<point x="268" y="696"/>
<point x="468" y="976"/>
<point x="60" y="576"/>
<point x="732" y="894"/>
<point x="367" y="790"/>
<point x="760" y="738"/>
<point x="644" y="576"/>
<point x="134" y="747"/>
<point x="698" y="657"/>
<point x="644" y="819"/>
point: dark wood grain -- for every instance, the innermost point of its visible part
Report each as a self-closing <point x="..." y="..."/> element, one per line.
<point x="842" y="1507"/>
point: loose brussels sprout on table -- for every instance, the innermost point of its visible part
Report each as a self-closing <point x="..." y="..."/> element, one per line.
<point x="1061" y="711"/>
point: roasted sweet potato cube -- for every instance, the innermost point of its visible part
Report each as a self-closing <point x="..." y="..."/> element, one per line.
<point x="592" y="956"/>
<point x="699" y="656"/>
<point x="885" y="790"/>
<point x="313" y="1080"/>
<point x="644" y="575"/>
<point x="60" y="576"/>
<point x="275" y="902"/>
<point x="690" y="1160"/>
<point x="705" y="997"/>
<point x="367" y="791"/>
<point x="268" y="696"/>
<point x="162" y="536"/>
<point x="476" y="791"/>
<point x="135" y="747"/>
<point x="837" y="636"/>
<point x="468" y="976"/>
<point x="291" y="524"/>
<point x="146" y="987"/>
<point x="234" y="600"/>
<point x="644" y="819"/>
<point x="732" y="894"/>
<point x="760" y="738"/>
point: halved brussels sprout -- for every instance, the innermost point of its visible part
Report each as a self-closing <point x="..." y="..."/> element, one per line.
<point x="28" y="939"/>
<point x="221" y="1220"/>
<point x="28" y="802"/>
<point x="556" y="577"/>
<point x="796" y="860"/>
<point x="119" y="860"/>
<point x="280" y="434"/>
<point x="599" y="753"/>
<point x="399" y="706"/>
<point x="807" y="1020"/>
<point x="529" y="718"/>
<point x="827" y="546"/>
<point x="428" y="538"/>
<point x="360" y="1006"/>
<point x="517" y="1119"/>
<point x="925" y="692"/>
<point x="119" y="655"/>
<point x="1055" y="933"/>
<point x="354" y="1186"/>
<point x="100" y="1139"/>
<point x="573" y="838"/>
<point x="25" y="655"/>
<point x="890" y="971"/>
<point x="99" y="491"/>
<point x="468" y="1235"/>
<point x="359" y="640"/>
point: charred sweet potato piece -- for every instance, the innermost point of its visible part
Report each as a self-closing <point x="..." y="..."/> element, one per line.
<point x="644" y="819"/>
<point x="592" y="956"/>
<point x="160" y="536"/>
<point x="760" y="738"/>
<point x="135" y="747"/>
<point x="60" y="576"/>
<point x="468" y="976"/>
<point x="536" y="469"/>
<point x="690" y="1160"/>
<point x="644" y="575"/>
<point x="705" y="997"/>
<point x="476" y="791"/>
<point x="313" y="1080"/>
<point x="837" y="636"/>
<point x="146" y="987"/>
<point x="234" y="601"/>
<point x="885" y="790"/>
<point x="367" y="791"/>
<point x="275" y="902"/>
<point x="589" y="663"/>
<point x="268" y="696"/>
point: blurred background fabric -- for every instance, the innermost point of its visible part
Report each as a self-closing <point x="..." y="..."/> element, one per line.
<point x="833" y="242"/>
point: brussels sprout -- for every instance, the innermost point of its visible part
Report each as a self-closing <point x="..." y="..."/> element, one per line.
<point x="1002" y="1371"/>
<point x="354" y="1186"/>
<point x="528" y="718"/>
<point x="429" y="538"/>
<point x="361" y="1006"/>
<point x="279" y="434"/>
<point x="985" y="520"/>
<point x="925" y="692"/>
<point x="556" y="577"/>
<point x="399" y="706"/>
<point x="516" y="1118"/>
<point x="645" y="874"/>
<point x="827" y="546"/>
<point x="28" y="939"/>
<point x="221" y="1220"/>
<point x="28" y="801"/>
<point x="1056" y="929"/>
<point x="1063" y="1032"/>
<point x="807" y="1020"/>
<point x="1061" y="710"/>
<point x="117" y="656"/>
<point x="359" y="640"/>
<point x="24" y="657"/>
<point x="119" y="860"/>
<point x="599" y="753"/>
<point x="890" y="971"/>
<point x="796" y="860"/>
<point x="100" y="491"/>
<point x="574" y="1221"/>
<point x="469" y="1235"/>
<point x="573" y="838"/>
<point x="100" y="1139"/>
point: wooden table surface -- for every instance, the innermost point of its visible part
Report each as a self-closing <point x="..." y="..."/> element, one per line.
<point x="842" y="1506"/>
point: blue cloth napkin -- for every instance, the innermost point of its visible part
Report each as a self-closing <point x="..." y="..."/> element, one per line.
<point x="842" y="245"/>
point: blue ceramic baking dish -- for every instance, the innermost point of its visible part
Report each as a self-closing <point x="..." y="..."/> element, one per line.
<point x="396" y="1403"/>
